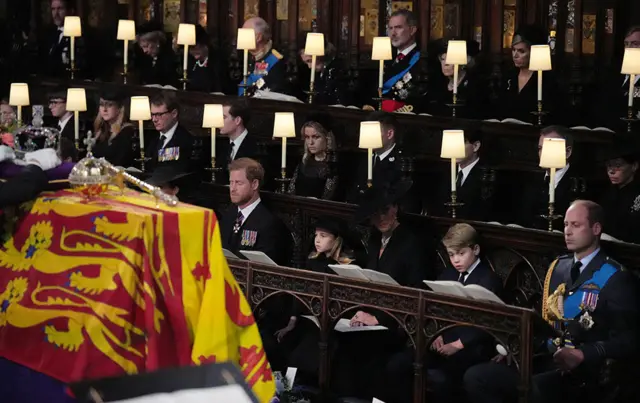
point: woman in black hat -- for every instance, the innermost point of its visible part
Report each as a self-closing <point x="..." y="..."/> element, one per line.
<point x="518" y="95"/>
<point x="114" y="133"/>
<point x="156" y="62"/>
<point x="621" y="202"/>
<point x="316" y="176"/>
<point x="204" y="71"/>
<point x="472" y="90"/>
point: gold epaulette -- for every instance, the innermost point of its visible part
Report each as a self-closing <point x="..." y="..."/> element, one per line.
<point x="276" y="54"/>
<point x="405" y="109"/>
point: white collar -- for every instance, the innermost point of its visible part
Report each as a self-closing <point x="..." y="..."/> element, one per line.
<point x="466" y="170"/>
<point x="626" y="80"/>
<point x="407" y="50"/>
<point x="587" y="259"/>
<point x="472" y="268"/>
<point x="559" y="174"/>
<point x="386" y="153"/>
<point x="63" y="122"/>
<point x="169" y="134"/>
<point x="237" y="143"/>
<point x="246" y="212"/>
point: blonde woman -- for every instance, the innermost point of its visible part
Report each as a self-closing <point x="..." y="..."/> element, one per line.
<point x="114" y="133"/>
<point x="316" y="176"/>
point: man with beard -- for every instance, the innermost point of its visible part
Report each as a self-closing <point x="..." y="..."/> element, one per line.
<point x="401" y="84"/>
<point x="248" y="224"/>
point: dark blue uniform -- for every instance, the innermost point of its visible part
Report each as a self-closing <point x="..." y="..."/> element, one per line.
<point x="601" y="308"/>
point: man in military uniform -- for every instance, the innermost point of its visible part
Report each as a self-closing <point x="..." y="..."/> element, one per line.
<point x="267" y="69"/>
<point x="401" y="87"/>
<point x="591" y="301"/>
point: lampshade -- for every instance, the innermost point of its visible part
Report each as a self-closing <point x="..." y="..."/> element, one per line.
<point x="19" y="94"/>
<point x="554" y="153"/>
<point x="314" y="45"/>
<point x="246" y="38"/>
<point x="126" y="30"/>
<point x="456" y="53"/>
<point x="140" y="108"/>
<point x="72" y="26"/>
<point x="452" y="144"/>
<point x="213" y="116"/>
<point x="381" y="48"/>
<point x="631" y="61"/>
<point x="370" y="135"/>
<point x="186" y="34"/>
<point x="540" y="58"/>
<point x="76" y="100"/>
<point x="284" y="125"/>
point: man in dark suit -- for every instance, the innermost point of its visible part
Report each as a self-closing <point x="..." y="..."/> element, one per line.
<point x="386" y="161"/>
<point x="267" y="68"/>
<point x="611" y="96"/>
<point x="401" y="75"/>
<point x="248" y="224"/>
<point x="592" y="302"/>
<point x="55" y="49"/>
<point x="175" y="143"/>
<point x="569" y="186"/>
<point x="58" y="108"/>
<point x="236" y="116"/>
<point x="474" y="190"/>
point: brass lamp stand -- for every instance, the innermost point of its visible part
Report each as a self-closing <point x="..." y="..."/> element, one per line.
<point x="551" y="216"/>
<point x="213" y="170"/>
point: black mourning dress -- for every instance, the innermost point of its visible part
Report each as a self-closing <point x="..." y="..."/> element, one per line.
<point x="314" y="179"/>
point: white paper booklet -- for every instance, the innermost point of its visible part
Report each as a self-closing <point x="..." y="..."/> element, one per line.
<point x="226" y="393"/>
<point x="509" y="120"/>
<point x="357" y="272"/>
<point x="228" y="254"/>
<point x="472" y="291"/>
<point x="343" y="325"/>
<point x="258" y="257"/>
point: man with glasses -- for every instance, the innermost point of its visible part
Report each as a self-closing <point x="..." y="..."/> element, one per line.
<point x="58" y="108"/>
<point x="175" y="143"/>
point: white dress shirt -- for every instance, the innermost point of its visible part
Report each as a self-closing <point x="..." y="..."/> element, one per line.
<point x="246" y="212"/>
<point x="62" y="123"/>
<point x="470" y="269"/>
<point x="467" y="170"/>
<point x="386" y="153"/>
<point x="559" y="174"/>
<point x="168" y="135"/>
<point x="237" y="143"/>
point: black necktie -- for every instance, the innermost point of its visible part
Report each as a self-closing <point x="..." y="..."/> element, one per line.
<point x="575" y="271"/>
<point x="459" y="179"/>
<point x="231" y="146"/>
<point x="462" y="277"/>
<point x="376" y="159"/>
<point x="163" y="138"/>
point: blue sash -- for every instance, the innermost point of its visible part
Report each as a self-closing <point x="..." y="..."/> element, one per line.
<point x="271" y="60"/>
<point x="586" y="297"/>
<point x="393" y="80"/>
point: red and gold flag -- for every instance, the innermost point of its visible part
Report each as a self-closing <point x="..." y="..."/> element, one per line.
<point x="116" y="285"/>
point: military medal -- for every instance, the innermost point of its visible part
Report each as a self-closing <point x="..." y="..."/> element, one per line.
<point x="249" y="238"/>
<point x="260" y="83"/>
<point x="586" y="321"/>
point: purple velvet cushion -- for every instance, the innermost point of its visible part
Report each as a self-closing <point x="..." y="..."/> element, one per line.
<point x="8" y="170"/>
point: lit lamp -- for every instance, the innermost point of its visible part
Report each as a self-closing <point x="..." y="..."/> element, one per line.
<point x="381" y="51"/>
<point x="456" y="56"/>
<point x="76" y="103"/>
<point x="126" y="33"/>
<point x="213" y="119"/>
<point x="284" y="126"/>
<point x="72" y="29"/>
<point x="370" y="139"/>
<point x="540" y="60"/>
<point x="246" y="42"/>
<point x="631" y="66"/>
<point x="314" y="47"/>
<point x="552" y="157"/>
<point x="19" y="97"/>
<point x="454" y="149"/>
<point x="140" y="110"/>
<point x="186" y="38"/>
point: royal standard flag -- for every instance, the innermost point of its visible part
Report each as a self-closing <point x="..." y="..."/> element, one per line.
<point x="115" y="285"/>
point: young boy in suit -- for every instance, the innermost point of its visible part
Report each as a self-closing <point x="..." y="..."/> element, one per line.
<point x="457" y="349"/>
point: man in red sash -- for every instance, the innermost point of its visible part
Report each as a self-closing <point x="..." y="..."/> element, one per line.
<point x="401" y="75"/>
